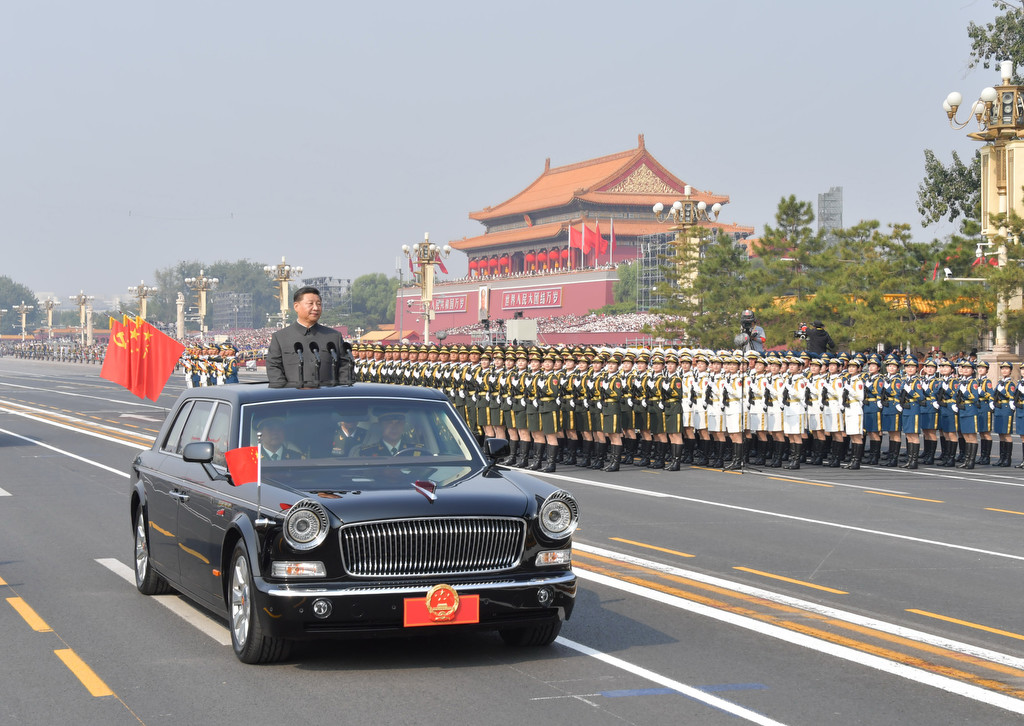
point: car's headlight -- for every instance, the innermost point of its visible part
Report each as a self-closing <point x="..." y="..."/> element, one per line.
<point x="559" y="515"/>
<point x="306" y="525"/>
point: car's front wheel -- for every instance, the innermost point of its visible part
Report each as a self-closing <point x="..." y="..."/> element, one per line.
<point x="532" y="636"/>
<point x="247" y="637"/>
<point x="146" y="579"/>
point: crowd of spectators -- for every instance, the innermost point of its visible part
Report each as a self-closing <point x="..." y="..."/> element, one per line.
<point x="592" y="323"/>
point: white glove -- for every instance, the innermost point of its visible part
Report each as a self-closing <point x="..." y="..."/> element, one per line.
<point x="599" y="406"/>
<point x="956" y="409"/>
<point x="558" y="401"/>
<point x="879" y="404"/>
<point x="536" y="403"/>
<point x="661" y="405"/>
<point x="991" y="406"/>
<point x="935" y="405"/>
<point x="899" y="408"/>
<point x="629" y="401"/>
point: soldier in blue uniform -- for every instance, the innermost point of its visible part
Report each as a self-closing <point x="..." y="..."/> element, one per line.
<point x="1004" y="392"/>
<point x="891" y="385"/>
<point x="967" y="405"/>
<point x="230" y="362"/>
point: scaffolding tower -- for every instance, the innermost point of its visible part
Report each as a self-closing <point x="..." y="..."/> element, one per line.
<point x="830" y="213"/>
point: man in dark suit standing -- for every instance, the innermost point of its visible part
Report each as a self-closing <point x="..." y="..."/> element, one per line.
<point x="300" y="355"/>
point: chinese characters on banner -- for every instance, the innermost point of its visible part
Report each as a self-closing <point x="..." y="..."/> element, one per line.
<point x="451" y="304"/>
<point x="548" y="297"/>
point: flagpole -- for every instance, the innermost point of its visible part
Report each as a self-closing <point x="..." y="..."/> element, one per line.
<point x="611" y="242"/>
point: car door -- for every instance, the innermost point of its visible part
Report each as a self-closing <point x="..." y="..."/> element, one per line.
<point x="176" y="477"/>
<point x="161" y="504"/>
<point x="203" y="514"/>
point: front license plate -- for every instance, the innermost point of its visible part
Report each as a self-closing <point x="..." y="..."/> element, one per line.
<point x="441" y="606"/>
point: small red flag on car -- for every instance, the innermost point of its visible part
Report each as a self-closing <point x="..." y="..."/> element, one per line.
<point x="244" y="465"/>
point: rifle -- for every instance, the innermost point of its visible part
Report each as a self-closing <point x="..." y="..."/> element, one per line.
<point x="846" y="398"/>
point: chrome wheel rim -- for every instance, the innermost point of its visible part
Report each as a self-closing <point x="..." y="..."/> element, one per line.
<point x="141" y="548"/>
<point x="240" y="600"/>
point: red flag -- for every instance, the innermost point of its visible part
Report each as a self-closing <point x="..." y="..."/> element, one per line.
<point x="411" y="267"/>
<point x="994" y="261"/>
<point x="137" y="380"/>
<point x="575" y="238"/>
<point x="591" y="240"/>
<point x="977" y="261"/>
<point x="602" y="243"/>
<point x="243" y="465"/>
<point x="441" y="265"/>
<point x="160" y="355"/>
<point x="116" y="363"/>
<point x="935" y="272"/>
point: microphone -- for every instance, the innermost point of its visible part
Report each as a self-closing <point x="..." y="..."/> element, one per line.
<point x="333" y="350"/>
<point x="302" y="378"/>
<point x="314" y="348"/>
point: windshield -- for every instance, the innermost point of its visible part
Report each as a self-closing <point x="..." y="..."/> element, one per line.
<point x="362" y="431"/>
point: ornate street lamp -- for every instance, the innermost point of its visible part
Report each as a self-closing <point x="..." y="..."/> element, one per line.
<point x="359" y="335"/>
<point x="999" y="116"/>
<point x="23" y="309"/>
<point x="142" y="292"/>
<point x="427" y="255"/>
<point x="84" y="303"/>
<point x="50" y="303"/>
<point x="283" y="273"/>
<point x="202" y="285"/>
<point x="686" y="215"/>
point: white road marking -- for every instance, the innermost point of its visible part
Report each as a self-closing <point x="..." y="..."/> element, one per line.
<point x="812" y="607"/>
<point x="690" y="691"/>
<point x="84" y="395"/>
<point x="949" y="685"/>
<point x="4" y="493"/>
<point x="780" y="515"/>
<point x="111" y="469"/>
<point x="79" y="430"/>
<point x="141" y="417"/>
<point x="175" y="604"/>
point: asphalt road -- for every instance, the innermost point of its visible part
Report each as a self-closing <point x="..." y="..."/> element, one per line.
<point x="817" y="596"/>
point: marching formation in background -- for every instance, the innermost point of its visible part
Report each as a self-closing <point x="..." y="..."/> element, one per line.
<point x="663" y="408"/>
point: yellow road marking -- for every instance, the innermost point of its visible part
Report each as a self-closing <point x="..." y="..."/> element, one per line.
<point x="1004" y="511"/>
<point x="790" y="579"/>
<point x="650" y="547"/>
<point x="25" y="611"/>
<point x="2" y="581"/>
<point x="903" y="496"/>
<point x="797" y="620"/>
<point x="801" y="481"/>
<point x="967" y="624"/>
<point x="92" y="682"/>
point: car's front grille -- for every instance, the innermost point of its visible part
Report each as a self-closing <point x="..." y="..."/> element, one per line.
<point x="432" y="547"/>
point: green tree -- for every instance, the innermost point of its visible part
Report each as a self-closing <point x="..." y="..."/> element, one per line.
<point x="949" y="192"/>
<point x="13" y="294"/>
<point x="1002" y="39"/>
<point x="624" y="287"/>
<point x="373" y="301"/>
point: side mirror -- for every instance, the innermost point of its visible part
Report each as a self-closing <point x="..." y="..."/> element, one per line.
<point x="495" y="449"/>
<point x="198" y="452"/>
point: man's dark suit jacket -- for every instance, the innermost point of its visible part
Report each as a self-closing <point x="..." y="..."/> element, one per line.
<point x="283" y="361"/>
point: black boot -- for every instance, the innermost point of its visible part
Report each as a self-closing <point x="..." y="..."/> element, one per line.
<point x="700" y="452"/>
<point x="963" y="450"/>
<point x="644" y="450"/>
<point x="985" y="457"/>
<point x="817" y="452"/>
<point x="615" y="451"/>
<point x="571" y="447"/>
<point x="524" y="454"/>
<point x="513" y="449"/>
<point x="737" y="457"/>
<point x="794" y="455"/>
<point x="913" y="450"/>
<point x="776" y="450"/>
<point x="552" y="458"/>
<point x="760" y="453"/>
<point x="836" y="453"/>
<point x="950" y="459"/>
<point x="688" y="446"/>
<point x="583" y="457"/>
<point x="893" y="457"/>
<point x="1005" y="450"/>
<point x="677" y="455"/>
<point x="970" y="455"/>
<point x="597" y="459"/>
<point x="928" y="455"/>
<point x="1021" y="464"/>
<point x="874" y="451"/>
<point x="659" y="455"/>
<point x="716" y="454"/>
<point x="856" y="453"/>
<point x="537" y="456"/>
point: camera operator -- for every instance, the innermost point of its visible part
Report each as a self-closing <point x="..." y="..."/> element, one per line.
<point x="752" y="335"/>
<point x="818" y="339"/>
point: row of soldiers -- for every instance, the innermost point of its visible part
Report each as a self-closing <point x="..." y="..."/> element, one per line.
<point x="64" y="352"/>
<point x="602" y="408"/>
<point x="209" y="365"/>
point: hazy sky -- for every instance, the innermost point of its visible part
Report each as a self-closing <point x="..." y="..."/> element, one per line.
<point x="136" y="134"/>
